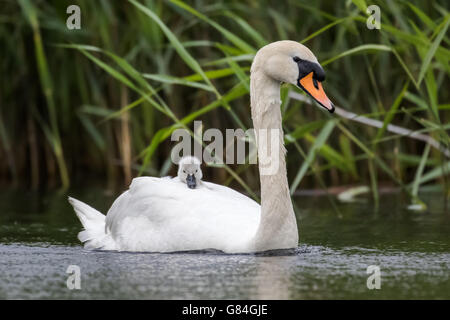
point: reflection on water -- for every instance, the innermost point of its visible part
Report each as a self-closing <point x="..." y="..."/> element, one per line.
<point x="38" y="243"/>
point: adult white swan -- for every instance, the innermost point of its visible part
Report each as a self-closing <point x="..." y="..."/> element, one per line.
<point x="162" y="215"/>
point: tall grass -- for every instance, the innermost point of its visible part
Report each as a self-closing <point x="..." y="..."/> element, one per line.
<point x="100" y="103"/>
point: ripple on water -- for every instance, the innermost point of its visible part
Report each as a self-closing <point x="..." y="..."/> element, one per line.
<point x="39" y="241"/>
<point x="311" y="272"/>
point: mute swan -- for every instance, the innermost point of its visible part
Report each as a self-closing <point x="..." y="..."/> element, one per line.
<point x="189" y="171"/>
<point x="162" y="215"/>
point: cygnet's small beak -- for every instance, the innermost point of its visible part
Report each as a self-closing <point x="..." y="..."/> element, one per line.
<point x="190" y="180"/>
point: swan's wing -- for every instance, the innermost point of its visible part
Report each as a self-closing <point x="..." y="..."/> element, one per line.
<point x="228" y="192"/>
<point x="163" y="215"/>
<point x="121" y="205"/>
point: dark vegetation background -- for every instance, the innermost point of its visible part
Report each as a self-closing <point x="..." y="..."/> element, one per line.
<point x="98" y="105"/>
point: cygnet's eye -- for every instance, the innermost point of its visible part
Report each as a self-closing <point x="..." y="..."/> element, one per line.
<point x="196" y="171"/>
<point x="184" y="171"/>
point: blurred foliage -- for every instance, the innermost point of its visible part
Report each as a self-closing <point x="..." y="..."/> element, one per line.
<point x="100" y="103"/>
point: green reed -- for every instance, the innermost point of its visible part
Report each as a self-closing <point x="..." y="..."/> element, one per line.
<point x="102" y="101"/>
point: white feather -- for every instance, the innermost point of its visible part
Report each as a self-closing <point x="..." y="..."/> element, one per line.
<point x="163" y="215"/>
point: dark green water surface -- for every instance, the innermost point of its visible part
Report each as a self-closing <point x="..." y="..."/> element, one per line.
<point x="38" y="242"/>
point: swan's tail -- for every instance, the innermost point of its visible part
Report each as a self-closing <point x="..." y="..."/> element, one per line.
<point x="93" y="236"/>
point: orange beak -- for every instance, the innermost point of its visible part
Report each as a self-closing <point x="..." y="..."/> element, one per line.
<point x="315" y="90"/>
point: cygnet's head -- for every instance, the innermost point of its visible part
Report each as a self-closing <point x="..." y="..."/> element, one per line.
<point x="189" y="171"/>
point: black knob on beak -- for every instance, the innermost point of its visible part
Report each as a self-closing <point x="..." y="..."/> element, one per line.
<point x="190" y="180"/>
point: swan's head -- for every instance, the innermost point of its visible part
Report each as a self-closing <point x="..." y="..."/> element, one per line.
<point x="291" y="62"/>
<point x="189" y="171"/>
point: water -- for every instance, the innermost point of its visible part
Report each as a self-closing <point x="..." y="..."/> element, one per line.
<point x="38" y="243"/>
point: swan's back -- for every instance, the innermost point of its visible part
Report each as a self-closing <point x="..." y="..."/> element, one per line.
<point x="163" y="215"/>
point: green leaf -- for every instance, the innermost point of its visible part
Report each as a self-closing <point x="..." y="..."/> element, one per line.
<point x="358" y="49"/>
<point x="423" y="161"/>
<point x="256" y="36"/>
<point x="238" y="42"/>
<point x="175" y="80"/>
<point x="302" y="130"/>
<point x="361" y="4"/>
<point x="425" y="19"/>
<point x="92" y="130"/>
<point x="432" y="50"/>
<point x="434" y="174"/>
<point x="237" y="69"/>
<point x="190" y="61"/>
<point x="346" y="149"/>
<point x="391" y="112"/>
<point x="320" y="140"/>
<point x="164" y="133"/>
<point x="331" y="155"/>
<point x="325" y="28"/>
<point x="214" y="74"/>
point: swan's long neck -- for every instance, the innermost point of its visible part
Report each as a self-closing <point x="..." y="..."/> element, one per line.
<point x="278" y="227"/>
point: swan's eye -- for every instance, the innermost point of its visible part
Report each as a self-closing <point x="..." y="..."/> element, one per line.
<point x="196" y="171"/>
<point x="184" y="171"/>
<point x="296" y="59"/>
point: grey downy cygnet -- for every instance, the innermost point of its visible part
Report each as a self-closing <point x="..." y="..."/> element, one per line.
<point x="189" y="171"/>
